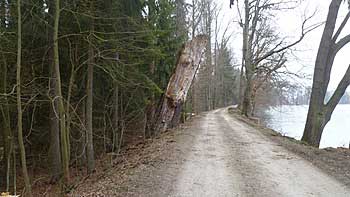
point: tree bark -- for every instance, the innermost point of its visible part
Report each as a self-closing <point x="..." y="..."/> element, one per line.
<point x="319" y="114"/>
<point x="180" y="82"/>
<point x="19" y="103"/>
<point x="241" y="86"/>
<point x="5" y="121"/>
<point x="177" y="115"/>
<point x="82" y="142"/>
<point x="115" y="135"/>
<point x="193" y="97"/>
<point x="209" y="64"/>
<point x="6" y="125"/>
<point x="89" y="110"/>
<point x="55" y="148"/>
<point x="59" y="96"/>
<point x="246" y="102"/>
<point x="193" y="34"/>
<point x="68" y="105"/>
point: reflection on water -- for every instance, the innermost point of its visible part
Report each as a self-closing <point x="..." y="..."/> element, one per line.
<point x="290" y="120"/>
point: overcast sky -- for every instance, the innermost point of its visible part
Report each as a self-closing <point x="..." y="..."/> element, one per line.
<point x="289" y="24"/>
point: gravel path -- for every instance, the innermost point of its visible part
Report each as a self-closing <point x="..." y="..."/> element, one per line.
<point x="230" y="158"/>
<point x="218" y="155"/>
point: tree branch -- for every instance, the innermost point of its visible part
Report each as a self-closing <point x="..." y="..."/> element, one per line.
<point x="341" y="43"/>
<point x="339" y="92"/>
<point x="304" y="31"/>
<point x="341" y="27"/>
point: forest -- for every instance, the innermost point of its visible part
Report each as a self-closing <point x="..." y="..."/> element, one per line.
<point x="81" y="80"/>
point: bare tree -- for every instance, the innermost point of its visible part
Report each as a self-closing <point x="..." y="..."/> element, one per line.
<point x="19" y="102"/>
<point x="204" y="81"/>
<point x="255" y="14"/>
<point x="208" y="65"/>
<point x="195" y="19"/>
<point x="55" y="147"/>
<point x="320" y="112"/>
<point x="6" y="132"/>
<point x="59" y="96"/>
<point x="89" y="105"/>
<point x="5" y="120"/>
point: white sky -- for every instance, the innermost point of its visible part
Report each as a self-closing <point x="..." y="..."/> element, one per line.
<point x="289" y="24"/>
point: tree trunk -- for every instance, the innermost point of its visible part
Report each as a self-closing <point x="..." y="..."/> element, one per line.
<point x="177" y="115"/>
<point x="241" y="86"/>
<point x="180" y="82"/>
<point x="3" y="15"/>
<point x="19" y="103"/>
<point x="314" y="126"/>
<point x="209" y="65"/>
<point x="82" y="142"/>
<point x="55" y="148"/>
<point x="6" y="125"/>
<point x="89" y="110"/>
<point x="68" y="106"/>
<point x="5" y="121"/>
<point x="59" y="96"/>
<point x="193" y="34"/>
<point x="115" y="136"/>
<point x="319" y="114"/>
<point x="193" y="96"/>
<point x="246" y="102"/>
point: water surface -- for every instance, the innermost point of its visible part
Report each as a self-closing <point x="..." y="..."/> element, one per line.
<point x="290" y="120"/>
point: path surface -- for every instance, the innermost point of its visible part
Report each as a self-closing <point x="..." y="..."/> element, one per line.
<point x="217" y="155"/>
<point x="230" y="158"/>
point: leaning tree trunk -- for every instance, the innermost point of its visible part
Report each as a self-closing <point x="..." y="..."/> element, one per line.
<point x="180" y="82"/>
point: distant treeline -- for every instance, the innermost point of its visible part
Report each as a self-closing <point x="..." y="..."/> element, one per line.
<point x="302" y="97"/>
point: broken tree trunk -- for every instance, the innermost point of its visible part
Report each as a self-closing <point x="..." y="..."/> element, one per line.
<point x="179" y="84"/>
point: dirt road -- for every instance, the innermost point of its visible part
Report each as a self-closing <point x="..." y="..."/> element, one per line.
<point x="230" y="158"/>
<point x="218" y="155"/>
